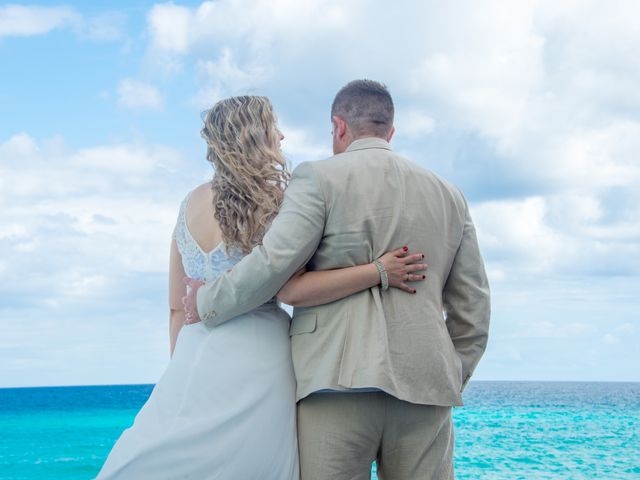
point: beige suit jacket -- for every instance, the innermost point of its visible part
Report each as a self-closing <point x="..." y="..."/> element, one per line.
<point x="349" y="210"/>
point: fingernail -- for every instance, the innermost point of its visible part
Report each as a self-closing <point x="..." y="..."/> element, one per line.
<point x="414" y="291"/>
<point x="423" y="255"/>
<point x="424" y="276"/>
<point x="405" y="248"/>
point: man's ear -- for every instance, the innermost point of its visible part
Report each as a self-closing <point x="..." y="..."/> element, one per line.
<point x="393" y="130"/>
<point x="340" y="126"/>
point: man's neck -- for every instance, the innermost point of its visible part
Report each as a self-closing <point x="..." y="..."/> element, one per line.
<point x="368" y="142"/>
<point x="366" y="137"/>
<point x="360" y="137"/>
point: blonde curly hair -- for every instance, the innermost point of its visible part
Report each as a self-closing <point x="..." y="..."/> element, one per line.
<point x="250" y="171"/>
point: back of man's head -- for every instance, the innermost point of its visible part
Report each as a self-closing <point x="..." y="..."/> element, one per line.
<point x="366" y="106"/>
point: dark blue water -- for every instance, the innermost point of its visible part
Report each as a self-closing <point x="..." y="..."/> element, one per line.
<point x="507" y="430"/>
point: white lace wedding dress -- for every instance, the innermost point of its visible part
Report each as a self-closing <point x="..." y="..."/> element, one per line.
<point x="225" y="406"/>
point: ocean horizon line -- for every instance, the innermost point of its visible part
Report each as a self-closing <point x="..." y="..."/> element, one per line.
<point x="471" y="382"/>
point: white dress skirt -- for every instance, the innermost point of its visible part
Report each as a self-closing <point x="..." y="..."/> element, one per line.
<point x="225" y="407"/>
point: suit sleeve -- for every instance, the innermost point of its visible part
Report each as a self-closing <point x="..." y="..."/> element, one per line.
<point x="466" y="301"/>
<point x="290" y="242"/>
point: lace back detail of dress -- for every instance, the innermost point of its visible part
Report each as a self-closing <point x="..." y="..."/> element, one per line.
<point x="198" y="264"/>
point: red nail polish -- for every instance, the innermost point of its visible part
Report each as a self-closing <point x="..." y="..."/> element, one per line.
<point x="424" y="276"/>
<point x="414" y="291"/>
<point x="423" y="255"/>
<point x="405" y="248"/>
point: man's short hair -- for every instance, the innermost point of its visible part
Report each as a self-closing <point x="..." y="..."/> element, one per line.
<point x="366" y="106"/>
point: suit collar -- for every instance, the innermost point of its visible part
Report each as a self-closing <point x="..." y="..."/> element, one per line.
<point x="369" y="142"/>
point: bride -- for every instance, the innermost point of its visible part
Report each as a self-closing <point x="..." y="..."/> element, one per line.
<point x="225" y="406"/>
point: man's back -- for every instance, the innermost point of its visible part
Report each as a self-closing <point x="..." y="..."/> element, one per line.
<point x="376" y="201"/>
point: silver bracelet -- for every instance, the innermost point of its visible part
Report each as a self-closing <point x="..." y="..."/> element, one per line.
<point x="384" y="280"/>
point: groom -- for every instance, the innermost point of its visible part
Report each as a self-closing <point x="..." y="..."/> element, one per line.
<point x="379" y="371"/>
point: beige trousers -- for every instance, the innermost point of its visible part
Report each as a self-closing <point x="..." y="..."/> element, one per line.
<point x="340" y="434"/>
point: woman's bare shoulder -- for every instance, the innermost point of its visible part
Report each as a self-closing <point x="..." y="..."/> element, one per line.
<point x="201" y="194"/>
<point x="202" y="189"/>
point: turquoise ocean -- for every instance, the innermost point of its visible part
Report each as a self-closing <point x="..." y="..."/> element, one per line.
<point x="507" y="430"/>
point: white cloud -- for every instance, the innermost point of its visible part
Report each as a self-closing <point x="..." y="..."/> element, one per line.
<point x="179" y="30"/>
<point x="24" y="21"/>
<point x="565" y="234"/>
<point x="135" y="94"/>
<point x="548" y="329"/>
<point x="87" y="215"/>
<point x="84" y="236"/>
<point x="413" y="123"/>
<point x="224" y="77"/>
<point x="600" y="157"/>
<point x="27" y="21"/>
<point x="300" y="145"/>
<point x="487" y="77"/>
<point x="123" y="159"/>
<point x="529" y="77"/>
<point x="169" y="27"/>
<point x="517" y="231"/>
<point x="107" y="26"/>
<point x="610" y="339"/>
<point x="626" y="329"/>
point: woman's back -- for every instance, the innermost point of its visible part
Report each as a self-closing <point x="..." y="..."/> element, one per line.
<point x="199" y="217"/>
<point x="199" y="238"/>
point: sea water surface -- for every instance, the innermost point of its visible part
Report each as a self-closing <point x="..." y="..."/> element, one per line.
<point x="507" y="430"/>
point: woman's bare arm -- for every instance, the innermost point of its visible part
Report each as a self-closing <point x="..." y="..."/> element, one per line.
<point x="307" y="289"/>
<point x="177" y="290"/>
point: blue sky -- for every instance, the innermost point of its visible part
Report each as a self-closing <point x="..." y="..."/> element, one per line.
<point x="532" y="108"/>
